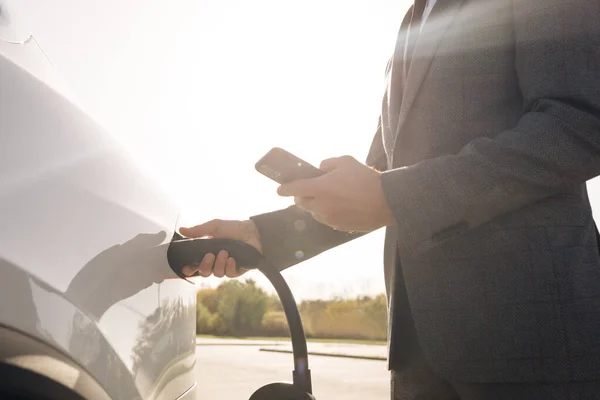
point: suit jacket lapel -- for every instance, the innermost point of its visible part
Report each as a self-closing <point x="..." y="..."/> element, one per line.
<point x="433" y="32"/>
<point x="397" y="75"/>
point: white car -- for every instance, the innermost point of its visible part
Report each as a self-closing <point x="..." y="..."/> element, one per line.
<point x="89" y="307"/>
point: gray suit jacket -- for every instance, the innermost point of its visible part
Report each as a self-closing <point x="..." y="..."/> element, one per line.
<point x="487" y="143"/>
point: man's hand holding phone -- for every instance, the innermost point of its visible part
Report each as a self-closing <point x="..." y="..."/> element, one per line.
<point x="342" y="193"/>
<point x="348" y="196"/>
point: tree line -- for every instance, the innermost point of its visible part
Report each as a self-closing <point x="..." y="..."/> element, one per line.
<point x="242" y="309"/>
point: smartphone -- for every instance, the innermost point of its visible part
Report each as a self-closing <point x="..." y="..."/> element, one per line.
<point x="284" y="167"/>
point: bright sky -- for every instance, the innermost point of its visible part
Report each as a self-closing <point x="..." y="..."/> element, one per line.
<point x="199" y="90"/>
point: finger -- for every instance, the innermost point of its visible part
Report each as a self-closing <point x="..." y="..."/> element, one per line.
<point x="189" y="270"/>
<point x="230" y="268"/>
<point x="300" y="188"/>
<point x="220" y="264"/>
<point x="206" y="229"/>
<point x="330" y="164"/>
<point x="305" y="203"/>
<point x="205" y="269"/>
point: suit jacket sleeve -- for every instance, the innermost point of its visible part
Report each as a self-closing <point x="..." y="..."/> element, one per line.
<point x="554" y="147"/>
<point x="290" y="236"/>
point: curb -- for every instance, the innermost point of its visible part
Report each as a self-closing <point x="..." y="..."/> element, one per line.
<point x="239" y="344"/>
<point x="338" y="355"/>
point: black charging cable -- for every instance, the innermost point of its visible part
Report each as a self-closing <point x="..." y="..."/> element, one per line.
<point x="184" y="252"/>
<point x="301" y="373"/>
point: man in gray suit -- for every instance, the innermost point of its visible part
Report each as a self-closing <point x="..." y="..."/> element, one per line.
<point x="489" y="130"/>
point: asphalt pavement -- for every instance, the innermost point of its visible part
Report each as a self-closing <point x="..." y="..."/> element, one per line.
<point x="233" y="369"/>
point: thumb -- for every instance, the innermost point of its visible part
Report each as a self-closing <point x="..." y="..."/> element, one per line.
<point x="330" y="164"/>
<point x="210" y="228"/>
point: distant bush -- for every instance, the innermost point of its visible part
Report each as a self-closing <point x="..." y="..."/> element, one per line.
<point x="218" y="326"/>
<point x="274" y="323"/>
<point x="360" y="318"/>
<point x="238" y="308"/>
<point x="242" y="306"/>
<point x="203" y="319"/>
<point x="209" y="298"/>
<point x="274" y="304"/>
<point x="235" y="308"/>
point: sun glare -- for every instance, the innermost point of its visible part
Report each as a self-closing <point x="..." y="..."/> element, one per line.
<point x="200" y="90"/>
<point x="307" y="78"/>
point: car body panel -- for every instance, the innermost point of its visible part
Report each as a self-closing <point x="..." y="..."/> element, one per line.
<point x="21" y="295"/>
<point x="84" y="233"/>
